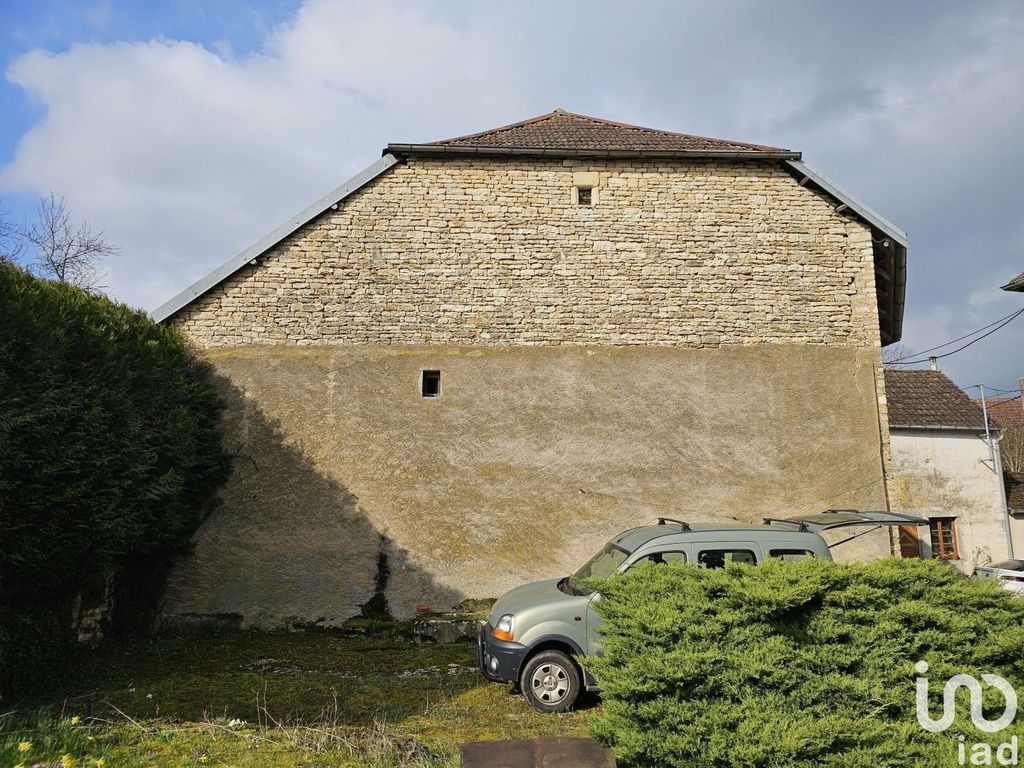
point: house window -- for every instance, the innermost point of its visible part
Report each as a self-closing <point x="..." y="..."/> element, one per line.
<point x="430" y="384"/>
<point x="943" y="533"/>
<point x="584" y="195"/>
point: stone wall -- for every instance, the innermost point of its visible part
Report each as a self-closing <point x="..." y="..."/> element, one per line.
<point x="701" y="343"/>
<point x="495" y="252"/>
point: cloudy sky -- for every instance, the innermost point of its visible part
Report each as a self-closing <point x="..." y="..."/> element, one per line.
<point x="187" y="129"/>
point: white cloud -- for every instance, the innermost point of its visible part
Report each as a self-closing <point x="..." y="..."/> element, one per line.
<point x="185" y="155"/>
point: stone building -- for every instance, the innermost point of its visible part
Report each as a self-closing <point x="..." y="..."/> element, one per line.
<point x="946" y="466"/>
<point x="472" y="363"/>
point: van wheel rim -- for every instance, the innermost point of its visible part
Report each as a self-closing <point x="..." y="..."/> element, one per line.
<point x="550" y="683"/>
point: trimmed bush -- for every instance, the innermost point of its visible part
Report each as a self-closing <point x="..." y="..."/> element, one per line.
<point x="109" y="454"/>
<point x="808" y="663"/>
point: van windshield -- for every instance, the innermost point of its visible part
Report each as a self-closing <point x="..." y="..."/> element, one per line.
<point x="605" y="563"/>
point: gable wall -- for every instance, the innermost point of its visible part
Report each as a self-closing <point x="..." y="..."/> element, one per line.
<point x="494" y="252"/>
<point x="678" y="349"/>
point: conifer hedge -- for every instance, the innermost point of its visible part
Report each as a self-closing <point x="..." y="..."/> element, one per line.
<point x="109" y="456"/>
<point x="798" y="664"/>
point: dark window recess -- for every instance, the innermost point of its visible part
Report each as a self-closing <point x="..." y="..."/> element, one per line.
<point x="790" y="554"/>
<point x="431" y="384"/>
<point x="662" y="558"/>
<point x="943" y="534"/>
<point x="717" y="558"/>
<point x="583" y="196"/>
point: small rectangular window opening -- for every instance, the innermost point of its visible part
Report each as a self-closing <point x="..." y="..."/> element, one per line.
<point x="583" y="195"/>
<point x="430" y="385"/>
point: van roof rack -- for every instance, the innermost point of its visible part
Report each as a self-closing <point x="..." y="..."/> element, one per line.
<point x="681" y="523"/>
<point x="800" y="524"/>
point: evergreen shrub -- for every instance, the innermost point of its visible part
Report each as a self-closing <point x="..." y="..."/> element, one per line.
<point x="798" y="664"/>
<point x="109" y="457"/>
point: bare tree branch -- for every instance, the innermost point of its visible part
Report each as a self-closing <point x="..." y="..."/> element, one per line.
<point x="894" y="353"/>
<point x="63" y="252"/>
<point x="11" y="244"/>
<point x="1012" y="450"/>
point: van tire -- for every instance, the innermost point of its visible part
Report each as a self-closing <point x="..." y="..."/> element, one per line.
<point x="551" y="681"/>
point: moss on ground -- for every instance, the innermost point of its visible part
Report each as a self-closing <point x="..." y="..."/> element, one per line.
<point x="266" y="699"/>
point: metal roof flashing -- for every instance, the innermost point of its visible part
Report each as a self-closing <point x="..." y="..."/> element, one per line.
<point x="863" y="211"/>
<point x="892" y="299"/>
<point x="261" y="246"/>
<point x="449" y="149"/>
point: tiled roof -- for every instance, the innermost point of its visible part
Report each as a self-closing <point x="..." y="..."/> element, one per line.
<point x="1007" y="411"/>
<point x="562" y="131"/>
<point x="1014" y="490"/>
<point x="1017" y="284"/>
<point x="929" y="399"/>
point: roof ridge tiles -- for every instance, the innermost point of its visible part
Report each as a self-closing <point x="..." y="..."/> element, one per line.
<point x="561" y="130"/>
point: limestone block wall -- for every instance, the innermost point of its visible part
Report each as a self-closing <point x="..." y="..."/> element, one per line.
<point x="495" y="252"/>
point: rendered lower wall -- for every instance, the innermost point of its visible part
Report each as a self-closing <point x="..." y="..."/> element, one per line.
<point x="351" y="490"/>
<point x="948" y="473"/>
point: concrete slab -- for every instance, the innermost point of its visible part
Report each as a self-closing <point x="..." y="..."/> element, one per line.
<point x="542" y="752"/>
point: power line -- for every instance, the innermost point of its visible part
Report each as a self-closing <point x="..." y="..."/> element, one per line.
<point x="1006" y="321"/>
<point x="996" y="390"/>
<point x="959" y="338"/>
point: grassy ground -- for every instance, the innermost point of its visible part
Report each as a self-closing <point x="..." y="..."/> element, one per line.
<point x="268" y="699"/>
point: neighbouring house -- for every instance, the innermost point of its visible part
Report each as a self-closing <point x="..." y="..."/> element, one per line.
<point x="1015" y="498"/>
<point x="469" y="365"/>
<point x="1008" y="413"/>
<point x="946" y="467"/>
<point x="1017" y="284"/>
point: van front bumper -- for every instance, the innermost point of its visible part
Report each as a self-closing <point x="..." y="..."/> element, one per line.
<point x="500" y="660"/>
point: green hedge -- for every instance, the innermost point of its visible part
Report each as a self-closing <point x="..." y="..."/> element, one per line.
<point x="797" y="664"/>
<point x="109" y="454"/>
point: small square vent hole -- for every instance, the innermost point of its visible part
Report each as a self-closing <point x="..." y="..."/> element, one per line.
<point x="430" y="384"/>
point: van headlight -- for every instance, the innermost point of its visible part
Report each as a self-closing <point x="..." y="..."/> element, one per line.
<point x="503" y="628"/>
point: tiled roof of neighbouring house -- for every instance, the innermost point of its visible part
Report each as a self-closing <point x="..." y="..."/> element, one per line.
<point x="1014" y="490"/>
<point x="566" y="132"/>
<point x="1007" y="411"/>
<point x="929" y="399"/>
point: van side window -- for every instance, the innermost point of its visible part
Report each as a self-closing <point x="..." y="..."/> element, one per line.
<point x="791" y="554"/>
<point x="662" y="558"/>
<point x="717" y="558"/>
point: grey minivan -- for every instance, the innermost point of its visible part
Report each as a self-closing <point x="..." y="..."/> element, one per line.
<point x="538" y="635"/>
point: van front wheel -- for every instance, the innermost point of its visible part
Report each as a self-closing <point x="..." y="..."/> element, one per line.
<point x="550" y="682"/>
